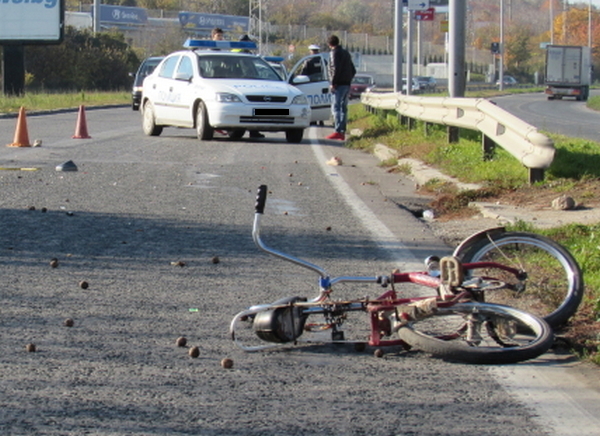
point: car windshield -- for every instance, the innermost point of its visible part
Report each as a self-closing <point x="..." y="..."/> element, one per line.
<point x="361" y="80"/>
<point x="236" y="67"/>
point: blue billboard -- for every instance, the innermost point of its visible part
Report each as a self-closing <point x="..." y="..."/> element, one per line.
<point x="122" y="15"/>
<point x="196" y="21"/>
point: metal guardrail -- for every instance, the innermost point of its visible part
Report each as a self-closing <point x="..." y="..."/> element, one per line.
<point x="533" y="149"/>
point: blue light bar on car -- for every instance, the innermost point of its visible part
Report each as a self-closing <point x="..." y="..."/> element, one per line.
<point x="225" y="45"/>
<point x="277" y="59"/>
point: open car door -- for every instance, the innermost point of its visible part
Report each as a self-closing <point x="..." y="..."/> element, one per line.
<point x="317" y="89"/>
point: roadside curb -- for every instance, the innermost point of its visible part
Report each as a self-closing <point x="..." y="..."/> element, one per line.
<point x="60" y="111"/>
<point x="420" y="171"/>
<point x="502" y="213"/>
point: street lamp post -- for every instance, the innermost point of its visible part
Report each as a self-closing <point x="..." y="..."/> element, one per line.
<point x="501" y="57"/>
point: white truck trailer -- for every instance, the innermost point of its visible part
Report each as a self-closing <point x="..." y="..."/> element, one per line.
<point x="568" y="72"/>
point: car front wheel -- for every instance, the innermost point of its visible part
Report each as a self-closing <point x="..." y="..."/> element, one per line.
<point x="149" y="121"/>
<point x="203" y="130"/>
<point x="294" y="135"/>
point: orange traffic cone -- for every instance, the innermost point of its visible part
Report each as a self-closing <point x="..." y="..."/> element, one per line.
<point x="81" y="128"/>
<point x="21" y="136"/>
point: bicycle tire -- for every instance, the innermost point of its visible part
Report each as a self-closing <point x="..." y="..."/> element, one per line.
<point x="510" y="336"/>
<point x="554" y="283"/>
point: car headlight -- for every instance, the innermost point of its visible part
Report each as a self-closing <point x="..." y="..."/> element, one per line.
<point x="225" y="97"/>
<point x="300" y="99"/>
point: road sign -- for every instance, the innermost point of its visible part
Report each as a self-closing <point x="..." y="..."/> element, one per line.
<point x="426" y="15"/>
<point x="418" y="5"/>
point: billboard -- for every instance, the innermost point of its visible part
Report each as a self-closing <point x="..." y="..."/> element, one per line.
<point x="31" y="21"/>
<point x="121" y="14"/>
<point x="195" y="21"/>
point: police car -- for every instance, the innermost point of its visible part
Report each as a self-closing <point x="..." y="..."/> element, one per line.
<point x="209" y="88"/>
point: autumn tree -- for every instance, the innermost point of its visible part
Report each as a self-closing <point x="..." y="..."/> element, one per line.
<point x="517" y="48"/>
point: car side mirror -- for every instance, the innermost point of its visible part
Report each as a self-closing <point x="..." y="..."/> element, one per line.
<point x="299" y="80"/>
<point x="186" y="77"/>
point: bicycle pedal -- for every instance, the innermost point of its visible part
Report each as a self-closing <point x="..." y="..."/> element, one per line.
<point x="451" y="271"/>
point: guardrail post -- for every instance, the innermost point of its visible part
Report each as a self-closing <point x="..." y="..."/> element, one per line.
<point x="427" y="128"/>
<point x="411" y="123"/>
<point x="453" y="134"/>
<point x="536" y="175"/>
<point x="403" y="120"/>
<point x="489" y="148"/>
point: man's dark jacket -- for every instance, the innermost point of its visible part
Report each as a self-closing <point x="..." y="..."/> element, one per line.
<point x="341" y="67"/>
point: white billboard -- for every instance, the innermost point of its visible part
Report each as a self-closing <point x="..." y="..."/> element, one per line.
<point x="31" y="20"/>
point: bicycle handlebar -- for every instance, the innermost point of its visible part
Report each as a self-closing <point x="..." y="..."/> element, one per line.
<point x="326" y="282"/>
<point x="261" y="199"/>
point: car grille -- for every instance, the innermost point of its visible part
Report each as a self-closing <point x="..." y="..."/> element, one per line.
<point x="266" y="99"/>
<point x="266" y="120"/>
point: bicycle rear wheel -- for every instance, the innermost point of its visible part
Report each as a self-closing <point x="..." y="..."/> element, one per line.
<point x="552" y="283"/>
<point x="480" y="333"/>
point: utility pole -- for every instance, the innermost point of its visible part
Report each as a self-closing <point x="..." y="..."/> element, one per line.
<point x="256" y="20"/>
<point x="398" y="22"/>
<point x="96" y="23"/>
<point x="456" y="49"/>
<point x="501" y="66"/>
<point x="410" y="16"/>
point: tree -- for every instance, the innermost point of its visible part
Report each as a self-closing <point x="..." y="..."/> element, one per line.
<point x="517" y="47"/>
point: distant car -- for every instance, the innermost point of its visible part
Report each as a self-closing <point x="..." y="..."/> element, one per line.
<point x="426" y="83"/>
<point x="277" y="63"/>
<point x="145" y="68"/>
<point x="360" y="84"/>
<point x="414" y="88"/>
<point x="508" y="81"/>
<point x="209" y="88"/>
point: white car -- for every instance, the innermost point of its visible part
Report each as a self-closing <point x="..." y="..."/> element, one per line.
<point x="277" y="63"/>
<point x="209" y="88"/>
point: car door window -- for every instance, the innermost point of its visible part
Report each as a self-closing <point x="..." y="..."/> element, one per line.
<point x="185" y="67"/>
<point x="312" y="66"/>
<point x="168" y="67"/>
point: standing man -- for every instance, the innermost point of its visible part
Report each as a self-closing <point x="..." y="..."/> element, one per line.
<point x="341" y="72"/>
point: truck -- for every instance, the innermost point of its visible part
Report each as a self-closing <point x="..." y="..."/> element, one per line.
<point x="568" y="72"/>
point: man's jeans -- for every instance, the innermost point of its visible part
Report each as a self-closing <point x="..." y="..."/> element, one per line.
<point x="339" y="107"/>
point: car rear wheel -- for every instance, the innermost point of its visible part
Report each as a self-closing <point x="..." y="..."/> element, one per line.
<point x="294" y="135"/>
<point x="149" y="121"/>
<point x="203" y="130"/>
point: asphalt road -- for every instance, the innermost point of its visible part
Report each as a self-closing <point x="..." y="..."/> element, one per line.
<point x="141" y="222"/>
<point x="565" y="117"/>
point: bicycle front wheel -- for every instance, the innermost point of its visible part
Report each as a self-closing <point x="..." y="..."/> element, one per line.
<point x="551" y="285"/>
<point x="480" y="333"/>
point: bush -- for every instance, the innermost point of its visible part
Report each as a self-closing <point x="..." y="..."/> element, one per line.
<point x="83" y="61"/>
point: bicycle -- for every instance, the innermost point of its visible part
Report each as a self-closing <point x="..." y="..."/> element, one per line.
<point x="453" y="323"/>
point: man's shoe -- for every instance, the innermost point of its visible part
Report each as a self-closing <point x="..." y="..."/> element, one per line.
<point x="337" y="136"/>
<point x="255" y="134"/>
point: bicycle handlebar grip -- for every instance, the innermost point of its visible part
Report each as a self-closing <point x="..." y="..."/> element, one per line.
<point x="261" y="199"/>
